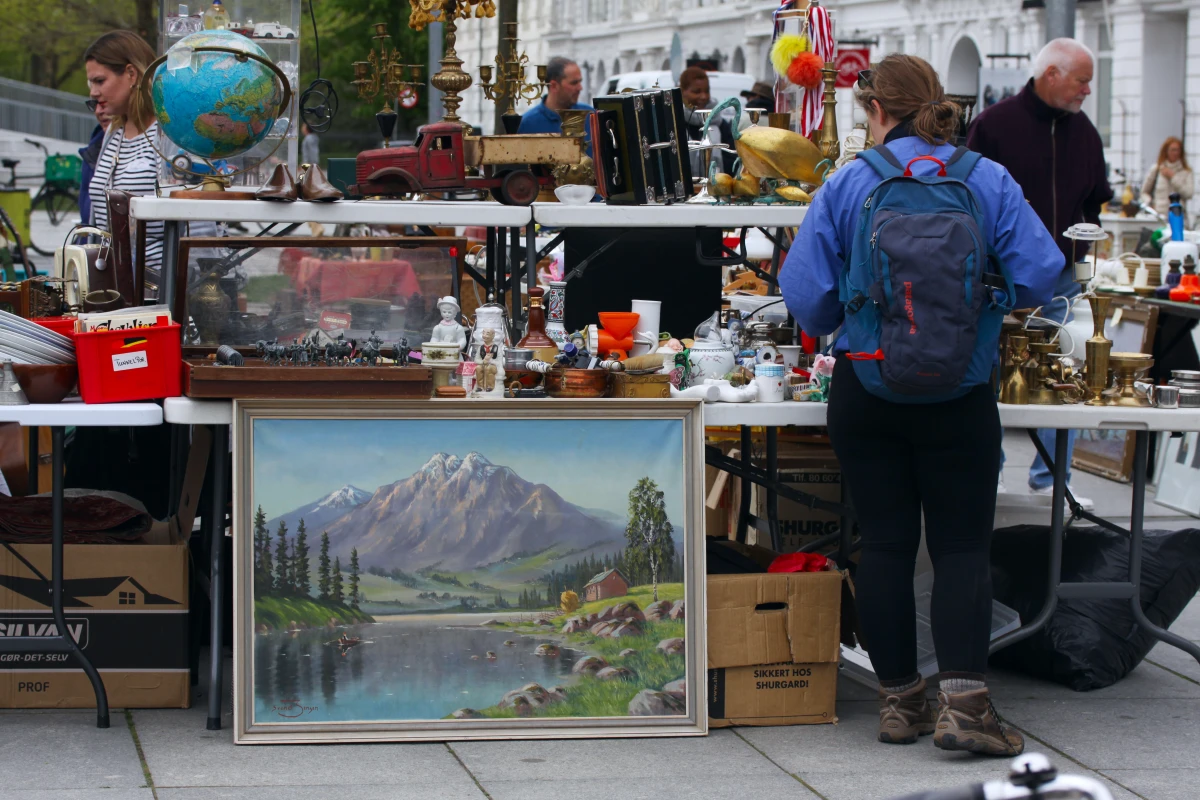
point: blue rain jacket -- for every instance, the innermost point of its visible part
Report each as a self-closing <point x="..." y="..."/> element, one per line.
<point x="809" y="277"/>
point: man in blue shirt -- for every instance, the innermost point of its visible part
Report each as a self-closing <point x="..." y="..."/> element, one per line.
<point x="564" y="82"/>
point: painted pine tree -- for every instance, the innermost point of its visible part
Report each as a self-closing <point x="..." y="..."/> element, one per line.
<point x="354" y="593"/>
<point x="282" y="583"/>
<point x="336" y="589"/>
<point x="323" y="576"/>
<point x="301" y="579"/>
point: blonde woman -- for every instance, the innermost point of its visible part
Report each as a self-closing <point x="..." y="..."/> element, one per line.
<point x="1170" y="174"/>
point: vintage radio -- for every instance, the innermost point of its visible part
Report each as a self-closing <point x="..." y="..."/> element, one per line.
<point x="638" y="140"/>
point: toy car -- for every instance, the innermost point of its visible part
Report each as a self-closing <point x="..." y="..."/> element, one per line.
<point x="273" y="30"/>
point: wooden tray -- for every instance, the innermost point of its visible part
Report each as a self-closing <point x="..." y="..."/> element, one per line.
<point x="203" y="379"/>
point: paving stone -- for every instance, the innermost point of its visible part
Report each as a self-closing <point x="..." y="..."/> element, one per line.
<point x="772" y="784"/>
<point x="77" y="794"/>
<point x="720" y="753"/>
<point x="1147" y="681"/>
<point x="1114" y="734"/>
<point x="1172" y="658"/>
<point x="181" y="753"/>
<point x="1187" y="624"/>
<point x="436" y="790"/>
<point x="65" y="750"/>
<point x="885" y="786"/>
<point x="1165" y="784"/>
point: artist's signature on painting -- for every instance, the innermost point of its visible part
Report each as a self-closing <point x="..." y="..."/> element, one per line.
<point x="291" y="709"/>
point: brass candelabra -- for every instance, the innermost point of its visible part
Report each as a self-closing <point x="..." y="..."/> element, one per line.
<point x="450" y="80"/>
<point x="828" y="142"/>
<point x="510" y="82"/>
<point x="384" y="71"/>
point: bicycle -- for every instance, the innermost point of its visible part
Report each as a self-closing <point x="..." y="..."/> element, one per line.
<point x="59" y="193"/>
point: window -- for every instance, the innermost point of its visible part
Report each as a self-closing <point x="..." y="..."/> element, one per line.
<point x="127" y="598"/>
<point x="1104" y="86"/>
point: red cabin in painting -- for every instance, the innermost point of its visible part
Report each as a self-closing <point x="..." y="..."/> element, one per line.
<point x="605" y="585"/>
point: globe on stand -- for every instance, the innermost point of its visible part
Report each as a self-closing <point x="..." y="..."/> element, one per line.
<point x="216" y="95"/>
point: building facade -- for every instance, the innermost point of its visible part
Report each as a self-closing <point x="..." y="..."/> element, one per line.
<point x="1147" y="83"/>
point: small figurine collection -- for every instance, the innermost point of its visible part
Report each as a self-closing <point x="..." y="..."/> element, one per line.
<point x="336" y="352"/>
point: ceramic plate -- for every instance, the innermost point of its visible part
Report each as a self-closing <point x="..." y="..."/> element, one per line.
<point x="20" y="325"/>
<point x="19" y="345"/>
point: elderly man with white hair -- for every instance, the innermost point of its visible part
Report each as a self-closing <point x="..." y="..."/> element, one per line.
<point x="1055" y="154"/>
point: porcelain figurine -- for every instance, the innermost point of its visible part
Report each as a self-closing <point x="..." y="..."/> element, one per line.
<point x="489" y="370"/>
<point x="448" y="330"/>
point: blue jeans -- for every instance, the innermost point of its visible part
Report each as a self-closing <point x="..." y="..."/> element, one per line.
<point x="1040" y="476"/>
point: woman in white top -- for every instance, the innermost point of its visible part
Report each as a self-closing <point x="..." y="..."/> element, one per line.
<point x="128" y="160"/>
<point x="1169" y="174"/>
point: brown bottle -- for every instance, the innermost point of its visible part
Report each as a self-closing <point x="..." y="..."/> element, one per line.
<point x="535" y="339"/>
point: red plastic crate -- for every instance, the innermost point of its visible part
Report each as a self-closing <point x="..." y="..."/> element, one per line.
<point x="126" y="365"/>
<point x="63" y="325"/>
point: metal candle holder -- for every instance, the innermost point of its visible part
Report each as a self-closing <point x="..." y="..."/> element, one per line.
<point x="828" y="142"/>
<point x="1097" y="348"/>
<point x="510" y="75"/>
<point x="384" y="70"/>
<point x="450" y="80"/>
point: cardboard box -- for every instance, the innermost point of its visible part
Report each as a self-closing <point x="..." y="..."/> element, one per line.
<point x="126" y="605"/>
<point x="811" y="469"/>
<point x="773" y="648"/>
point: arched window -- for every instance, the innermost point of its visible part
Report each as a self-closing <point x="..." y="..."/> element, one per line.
<point x="739" y="60"/>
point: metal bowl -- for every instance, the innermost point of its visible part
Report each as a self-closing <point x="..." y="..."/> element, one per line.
<point x="577" y="383"/>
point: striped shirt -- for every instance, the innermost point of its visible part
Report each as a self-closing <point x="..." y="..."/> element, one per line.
<point x="136" y="169"/>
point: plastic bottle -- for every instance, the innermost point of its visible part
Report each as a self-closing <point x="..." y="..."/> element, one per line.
<point x="216" y="18"/>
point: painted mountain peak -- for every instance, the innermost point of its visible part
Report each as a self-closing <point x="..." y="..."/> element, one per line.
<point x="459" y="513"/>
<point x="323" y="511"/>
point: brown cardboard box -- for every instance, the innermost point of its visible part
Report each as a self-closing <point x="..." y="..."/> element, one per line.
<point x="773" y="648"/>
<point x="813" y="469"/>
<point x="126" y="605"/>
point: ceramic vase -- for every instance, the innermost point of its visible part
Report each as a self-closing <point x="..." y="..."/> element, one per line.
<point x="556" y="313"/>
<point x="209" y="309"/>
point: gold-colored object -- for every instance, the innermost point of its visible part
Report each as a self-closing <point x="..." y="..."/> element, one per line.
<point x="1127" y="367"/>
<point x="1014" y="390"/>
<point x="1096" y="352"/>
<point x="779" y="153"/>
<point x="794" y="194"/>
<point x="779" y="119"/>
<point x="1040" y="376"/>
<point x="510" y="75"/>
<point x="384" y="71"/>
<point x="584" y="172"/>
<point x="722" y="185"/>
<point x="450" y="80"/>
<point x="210" y="307"/>
<point x="829" y="144"/>
<point x="657" y="385"/>
<point x="747" y="186"/>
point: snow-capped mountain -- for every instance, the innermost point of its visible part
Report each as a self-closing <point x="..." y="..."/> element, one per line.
<point x="460" y="513"/>
<point x="322" y="512"/>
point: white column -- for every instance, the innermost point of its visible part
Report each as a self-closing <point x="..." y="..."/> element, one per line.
<point x="1128" y="36"/>
<point x="1192" y="83"/>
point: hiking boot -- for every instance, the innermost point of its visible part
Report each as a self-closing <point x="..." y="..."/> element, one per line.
<point x="903" y="716"/>
<point x="968" y="721"/>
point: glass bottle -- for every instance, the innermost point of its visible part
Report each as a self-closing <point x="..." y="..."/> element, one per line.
<point x="216" y="18"/>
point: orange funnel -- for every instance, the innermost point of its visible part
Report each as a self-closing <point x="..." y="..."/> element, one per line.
<point x="619" y="324"/>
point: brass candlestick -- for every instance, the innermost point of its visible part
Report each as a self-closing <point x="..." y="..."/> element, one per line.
<point x="384" y="71"/>
<point x="1040" y="377"/>
<point x="450" y="80"/>
<point x="1127" y="367"/>
<point x="1014" y="389"/>
<point x="1096" y="351"/>
<point x="510" y="75"/>
<point x="828" y="142"/>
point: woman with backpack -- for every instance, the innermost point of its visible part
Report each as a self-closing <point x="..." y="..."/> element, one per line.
<point x="916" y="274"/>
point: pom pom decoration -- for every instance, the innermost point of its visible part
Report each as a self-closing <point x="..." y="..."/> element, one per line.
<point x="805" y="70"/>
<point x="785" y="49"/>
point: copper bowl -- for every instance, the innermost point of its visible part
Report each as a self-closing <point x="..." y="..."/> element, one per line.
<point x="46" y="383"/>
<point x="577" y="383"/>
<point x="526" y="377"/>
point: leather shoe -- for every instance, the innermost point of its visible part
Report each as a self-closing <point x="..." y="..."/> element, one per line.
<point x="315" y="187"/>
<point x="280" y="187"/>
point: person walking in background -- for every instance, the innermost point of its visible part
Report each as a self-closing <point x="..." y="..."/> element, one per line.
<point x="564" y="83"/>
<point x="1169" y="175"/>
<point x="89" y="155"/>
<point x="1055" y="154"/>
<point x="310" y="146"/>
<point x="693" y="85"/>
<point x="908" y="461"/>
<point x="127" y="158"/>
<point x="760" y="96"/>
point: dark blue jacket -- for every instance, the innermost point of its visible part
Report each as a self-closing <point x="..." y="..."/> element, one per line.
<point x="542" y="119"/>
<point x="90" y="155"/>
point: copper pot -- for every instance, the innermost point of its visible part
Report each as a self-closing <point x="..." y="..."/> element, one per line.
<point x="577" y="383"/>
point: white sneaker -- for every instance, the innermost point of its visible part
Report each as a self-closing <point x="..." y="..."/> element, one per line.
<point x="1085" y="502"/>
<point x="1000" y="487"/>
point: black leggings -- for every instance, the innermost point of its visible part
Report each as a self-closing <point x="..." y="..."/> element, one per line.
<point x="899" y="460"/>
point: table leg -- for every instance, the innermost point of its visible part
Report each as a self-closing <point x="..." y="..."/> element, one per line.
<point x="514" y="265"/>
<point x="1054" y="567"/>
<point x="170" y="263"/>
<point x="490" y="259"/>
<point x="1141" y="446"/>
<point x="773" y="479"/>
<point x="531" y="256"/>
<point x="216" y="588"/>
<point x="32" y="482"/>
<point x="744" y="503"/>
<point x="56" y="577"/>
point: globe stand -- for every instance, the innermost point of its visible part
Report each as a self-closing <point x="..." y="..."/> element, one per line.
<point x="212" y="186"/>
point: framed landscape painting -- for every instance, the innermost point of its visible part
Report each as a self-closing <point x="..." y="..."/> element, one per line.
<point x="439" y="570"/>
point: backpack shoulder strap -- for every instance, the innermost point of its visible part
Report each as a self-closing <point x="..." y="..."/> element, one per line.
<point x="961" y="163"/>
<point x="882" y="161"/>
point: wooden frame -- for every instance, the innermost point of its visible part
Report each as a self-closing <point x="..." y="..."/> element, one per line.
<point x="1109" y="453"/>
<point x="419" y="671"/>
<point x="179" y="311"/>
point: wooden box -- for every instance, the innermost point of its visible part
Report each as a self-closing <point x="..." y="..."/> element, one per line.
<point x="653" y="386"/>
<point x="203" y="379"/>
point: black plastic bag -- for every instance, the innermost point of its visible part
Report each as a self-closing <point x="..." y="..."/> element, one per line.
<point x="1090" y="644"/>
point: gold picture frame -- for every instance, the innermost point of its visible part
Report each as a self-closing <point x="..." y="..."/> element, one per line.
<point x="438" y="554"/>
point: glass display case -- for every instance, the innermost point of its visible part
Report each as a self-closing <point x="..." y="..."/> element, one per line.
<point x="273" y="25"/>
